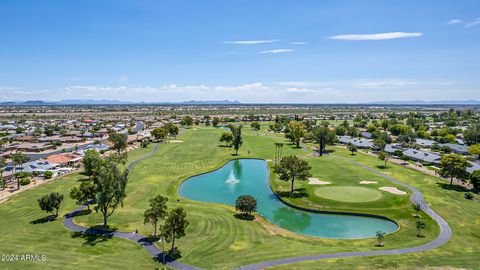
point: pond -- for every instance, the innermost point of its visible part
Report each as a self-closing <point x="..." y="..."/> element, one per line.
<point x="250" y="177"/>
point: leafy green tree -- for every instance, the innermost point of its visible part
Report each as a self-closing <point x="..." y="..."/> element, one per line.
<point x="340" y="130"/>
<point x="119" y="141"/>
<point x="474" y="150"/>
<point x="420" y="226"/>
<point x="215" y="121"/>
<point x="246" y="204"/>
<point x="453" y="166"/>
<point x="380" y="236"/>
<point x="172" y="129"/>
<point x="379" y="144"/>
<point x="187" y="121"/>
<point x="296" y="131"/>
<point x="472" y="134"/>
<point x="51" y="202"/>
<point x="84" y="193"/>
<point x="237" y="137"/>
<point x="48" y="175"/>
<point x="384" y="157"/>
<point x="292" y="168"/>
<point x="226" y="137"/>
<point x="3" y="164"/>
<point x="352" y="148"/>
<point x="90" y="161"/>
<point x="255" y="126"/>
<point x="110" y="186"/>
<point x="175" y="226"/>
<point x="159" y="133"/>
<point x="475" y="179"/>
<point x="157" y="211"/>
<point x="322" y="136"/>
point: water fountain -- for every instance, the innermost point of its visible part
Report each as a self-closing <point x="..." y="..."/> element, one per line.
<point x="232" y="179"/>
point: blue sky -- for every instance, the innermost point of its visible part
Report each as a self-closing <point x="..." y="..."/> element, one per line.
<point x="251" y="51"/>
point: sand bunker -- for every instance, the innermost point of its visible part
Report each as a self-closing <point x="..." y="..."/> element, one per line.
<point x="393" y="190"/>
<point x="365" y="182"/>
<point x="176" y="141"/>
<point x="316" y="181"/>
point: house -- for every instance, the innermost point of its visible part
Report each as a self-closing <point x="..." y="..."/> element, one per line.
<point x="456" y="148"/>
<point x="31" y="147"/>
<point x="425" y="143"/>
<point x="65" y="159"/>
<point x="365" y="134"/>
<point x="360" y="143"/>
<point x="475" y="167"/>
<point x="97" y="147"/>
<point x="38" y="166"/>
<point x="422" y="156"/>
<point x="391" y="148"/>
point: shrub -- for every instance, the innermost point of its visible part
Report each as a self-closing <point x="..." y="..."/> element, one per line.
<point x="468" y="196"/>
<point x="24" y="181"/>
<point x="48" y="174"/>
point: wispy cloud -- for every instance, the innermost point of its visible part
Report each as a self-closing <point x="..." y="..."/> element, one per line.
<point x="277" y="51"/>
<point x="299" y="43"/>
<point x="379" y="36"/>
<point x="250" y="42"/>
<point x="472" y="24"/>
<point x="455" y="21"/>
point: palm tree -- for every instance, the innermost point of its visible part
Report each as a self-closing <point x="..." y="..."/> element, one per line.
<point x="18" y="158"/>
<point x="417" y="207"/>
<point x="420" y="227"/>
<point x="3" y="163"/>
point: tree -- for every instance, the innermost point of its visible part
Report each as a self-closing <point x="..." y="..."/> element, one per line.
<point x="226" y="137"/>
<point x="172" y="129"/>
<point x="159" y="133"/>
<point x="292" y="168"/>
<point x="51" y="202"/>
<point x="379" y="144"/>
<point x="157" y="211"/>
<point x="352" y="148"/>
<point x="296" y="131"/>
<point x="420" y="226"/>
<point x="340" y="130"/>
<point x="3" y="163"/>
<point x="384" y="157"/>
<point x="453" y="166"/>
<point x="237" y="137"/>
<point x="84" y="193"/>
<point x="380" y="236"/>
<point x="321" y="135"/>
<point x="255" y="126"/>
<point x="215" y="121"/>
<point x="48" y="175"/>
<point x="119" y="141"/>
<point x="19" y="158"/>
<point x="175" y="226"/>
<point x="475" y="179"/>
<point x="110" y="186"/>
<point x="474" y="149"/>
<point x="187" y="121"/>
<point x="417" y="207"/>
<point x="90" y="161"/>
<point x="472" y="134"/>
<point x="246" y="204"/>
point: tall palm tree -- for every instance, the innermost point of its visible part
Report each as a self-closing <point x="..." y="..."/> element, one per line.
<point x="3" y="163"/>
<point x="19" y="158"/>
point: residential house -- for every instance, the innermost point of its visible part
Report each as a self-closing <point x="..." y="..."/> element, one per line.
<point x="422" y="156"/>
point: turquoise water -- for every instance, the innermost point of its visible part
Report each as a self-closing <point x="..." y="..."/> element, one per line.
<point x="250" y="176"/>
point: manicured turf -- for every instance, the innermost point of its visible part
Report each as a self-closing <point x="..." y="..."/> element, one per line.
<point x="348" y="194"/>
<point x="217" y="240"/>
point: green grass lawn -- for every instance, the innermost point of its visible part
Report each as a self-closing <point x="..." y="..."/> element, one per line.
<point x="215" y="239"/>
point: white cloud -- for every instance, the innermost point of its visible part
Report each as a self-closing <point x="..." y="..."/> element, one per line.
<point x="299" y="43"/>
<point x="299" y="90"/>
<point x="473" y="23"/>
<point x="277" y="51"/>
<point x="250" y="42"/>
<point x="243" y="87"/>
<point x="455" y="21"/>
<point x="379" y="36"/>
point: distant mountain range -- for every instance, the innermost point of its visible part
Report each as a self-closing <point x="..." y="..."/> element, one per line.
<point x="109" y="102"/>
<point x="217" y="102"/>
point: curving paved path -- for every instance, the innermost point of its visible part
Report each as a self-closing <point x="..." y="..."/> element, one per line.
<point x="140" y="239"/>
<point x="417" y="197"/>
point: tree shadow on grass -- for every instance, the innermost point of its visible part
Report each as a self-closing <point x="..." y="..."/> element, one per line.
<point x="381" y="167"/>
<point x="244" y="216"/>
<point x="297" y="193"/>
<point x="95" y="235"/>
<point x="42" y="220"/>
<point x="454" y="187"/>
<point x="169" y="256"/>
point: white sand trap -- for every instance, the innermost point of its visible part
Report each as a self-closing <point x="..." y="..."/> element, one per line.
<point x="365" y="182"/>
<point x="176" y="141"/>
<point x="316" y="181"/>
<point x="195" y="129"/>
<point x="268" y="160"/>
<point x="393" y="190"/>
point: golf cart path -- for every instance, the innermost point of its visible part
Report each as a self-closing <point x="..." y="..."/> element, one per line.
<point x="140" y="239"/>
<point x="417" y="197"/>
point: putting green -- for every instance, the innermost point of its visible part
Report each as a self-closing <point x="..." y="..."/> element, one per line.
<point x="348" y="193"/>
